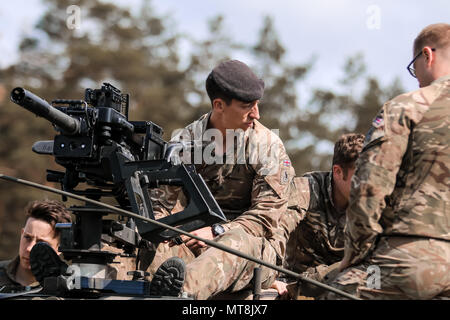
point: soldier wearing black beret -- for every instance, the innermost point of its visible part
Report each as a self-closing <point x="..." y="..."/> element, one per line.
<point x="234" y="79"/>
<point x="234" y="91"/>
<point x="250" y="184"/>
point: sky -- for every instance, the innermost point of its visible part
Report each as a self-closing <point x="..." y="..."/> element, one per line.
<point x="330" y="30"/>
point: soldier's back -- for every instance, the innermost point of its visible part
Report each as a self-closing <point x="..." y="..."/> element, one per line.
<point x="419" y="205"/>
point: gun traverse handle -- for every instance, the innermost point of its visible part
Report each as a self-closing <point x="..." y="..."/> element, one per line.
<point x="42" y="108"/>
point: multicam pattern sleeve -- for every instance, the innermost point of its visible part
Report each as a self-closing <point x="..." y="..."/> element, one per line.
<point x="374" y="179"/>
<point x="252" y="190"/>
<point x="166" y="199"/>
<point x="318" y="239"/>
<point x="270" y="188"/>
<point x="401" y="183"/>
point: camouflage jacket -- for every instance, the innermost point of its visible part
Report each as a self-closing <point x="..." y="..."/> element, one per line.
<point x="8" y="283"/>
<point x="250" y="184"/>
<point x="8" y="280"/>
<point x="401" y="183"/>
<point x="7" y="273"/>
<point x="319" y="238"/>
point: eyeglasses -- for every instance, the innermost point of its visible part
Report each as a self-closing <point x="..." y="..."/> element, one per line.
<point x="410" y="66"/>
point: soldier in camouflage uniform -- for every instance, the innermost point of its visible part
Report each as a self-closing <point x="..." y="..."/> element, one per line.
<point x="317" y="244"/>
<point x="42" y="216"/>
<point x="397" y="236"/>
<point x="250" y="180"/>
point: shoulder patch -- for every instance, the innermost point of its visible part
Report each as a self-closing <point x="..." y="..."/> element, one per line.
<point x="376" y="132"/>
<point x="284" y="179"/>
<point x="286" y="163"/>
<point x="378" y="122"/>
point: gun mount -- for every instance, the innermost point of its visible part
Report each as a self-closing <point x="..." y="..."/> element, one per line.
<point x="110" y="156"/>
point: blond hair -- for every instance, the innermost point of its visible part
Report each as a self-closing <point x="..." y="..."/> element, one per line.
<point x="435" y="35"/>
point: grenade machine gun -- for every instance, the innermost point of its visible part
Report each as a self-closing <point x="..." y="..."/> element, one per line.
<point x="106" y="155"/>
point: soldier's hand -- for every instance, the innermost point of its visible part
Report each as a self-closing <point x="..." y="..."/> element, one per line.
<point x="195" y="244"/>
<point x="280" y="286"/>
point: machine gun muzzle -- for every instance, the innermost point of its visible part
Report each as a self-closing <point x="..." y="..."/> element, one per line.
<point x="42" y="108"/>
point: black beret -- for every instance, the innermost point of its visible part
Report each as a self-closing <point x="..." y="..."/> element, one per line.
<point x="237" y="80"/>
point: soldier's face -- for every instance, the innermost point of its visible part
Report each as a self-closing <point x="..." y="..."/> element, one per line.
<point x="240" y="115"/>
<point x="35" y="230"/>
<point x="347" y="182"/>
<point x="343" y="180"/>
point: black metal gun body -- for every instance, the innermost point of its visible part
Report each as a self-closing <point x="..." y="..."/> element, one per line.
<point x="42" y="108"/>
<point x="97" y="145"/>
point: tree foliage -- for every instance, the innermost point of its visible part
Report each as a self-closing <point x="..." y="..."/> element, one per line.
<point x="143" y="54"/>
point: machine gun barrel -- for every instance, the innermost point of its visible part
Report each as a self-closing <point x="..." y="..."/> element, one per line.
<point x="42" y="108"/>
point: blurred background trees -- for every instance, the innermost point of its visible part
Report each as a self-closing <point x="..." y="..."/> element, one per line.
<point x="164" y="71"/>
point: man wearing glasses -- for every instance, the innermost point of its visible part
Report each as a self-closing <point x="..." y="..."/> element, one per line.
<point x="397" y="236"/>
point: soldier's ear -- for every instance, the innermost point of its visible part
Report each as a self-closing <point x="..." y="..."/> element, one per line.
<point x="218" y="105"/>
<point x="337" y="171"/>
<point x="429" y="55"/>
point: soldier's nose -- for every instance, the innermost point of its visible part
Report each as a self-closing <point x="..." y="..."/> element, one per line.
<point x="30" y="246"/>
<point x="254" y="113"/>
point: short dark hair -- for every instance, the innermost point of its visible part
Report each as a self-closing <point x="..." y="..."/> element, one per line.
<point x="50" y="211"/>
<point x="347" y="150"/>
<point x="215" y="92"/>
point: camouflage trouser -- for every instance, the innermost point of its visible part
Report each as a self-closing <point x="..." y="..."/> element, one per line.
<point x="399" y="268"/>
<point x="321" y="273"/>
<point x="216" y="271"/>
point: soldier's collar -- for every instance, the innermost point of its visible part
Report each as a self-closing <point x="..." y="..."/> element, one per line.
<point x="329" y="185"/>
<point x="441" y="79"/>
<point x="204" y="121"/>
<point x="12" y="268"/>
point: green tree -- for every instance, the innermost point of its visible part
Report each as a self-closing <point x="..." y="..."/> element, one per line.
<point x="279" y="107"/>
<point x="140" y="53"/>
<point x="137" y="53"/>
<point x="350" y="107"/>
